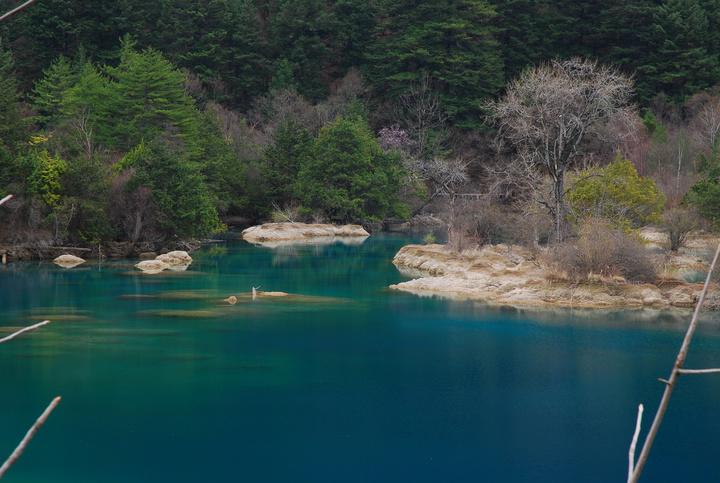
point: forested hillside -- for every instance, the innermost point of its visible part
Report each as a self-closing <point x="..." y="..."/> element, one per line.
<point x="143" y="121"/>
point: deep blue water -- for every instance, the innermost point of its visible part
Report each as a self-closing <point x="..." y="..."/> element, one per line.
<point x="163" y="381"/>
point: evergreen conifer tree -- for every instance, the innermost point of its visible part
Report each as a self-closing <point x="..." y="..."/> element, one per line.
<point x="145" y="93"/>
<point x="349" y="177"/>
<point x="453" y="42"/>
<point x="13" y="130"/>
<point x="680" y="62"/>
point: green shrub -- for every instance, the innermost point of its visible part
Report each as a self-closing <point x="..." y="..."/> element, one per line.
<point x="618" y="194"/>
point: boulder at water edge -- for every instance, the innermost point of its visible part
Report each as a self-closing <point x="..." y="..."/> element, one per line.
<point x="177" y="257"/>
<point x="68" y="261"/>
<point x="152" y="266"/>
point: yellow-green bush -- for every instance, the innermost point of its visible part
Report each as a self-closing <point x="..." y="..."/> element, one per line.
<point x="617" y="193"/>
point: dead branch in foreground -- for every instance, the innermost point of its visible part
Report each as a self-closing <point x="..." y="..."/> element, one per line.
<point x="4" y="16"/>
<point x="634" y="473"/>
<point x="31" y="432"/>
<point x="15" y="10"/>
<point x="26" y="329"/>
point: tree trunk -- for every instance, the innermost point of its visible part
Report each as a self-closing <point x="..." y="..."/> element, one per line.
<point x="138" y="226"/>
<point x="559" y="192"/>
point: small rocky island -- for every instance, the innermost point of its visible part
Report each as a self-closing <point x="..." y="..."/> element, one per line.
<point x="281" y="232"/>
<point x="513" y="275"/>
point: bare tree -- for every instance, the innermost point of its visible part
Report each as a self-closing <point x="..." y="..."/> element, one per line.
<point x="441" y="176"/>
<point x="420" y="112"/>
<point x="343" y="95"/>
<point x="705" y="125"/>
<point x="547" y="113"/>
<point x="678" y="222"/>
<point x="82" y="125"/>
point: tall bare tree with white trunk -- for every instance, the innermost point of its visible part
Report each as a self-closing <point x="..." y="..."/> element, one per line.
<point x="547" y="113"/>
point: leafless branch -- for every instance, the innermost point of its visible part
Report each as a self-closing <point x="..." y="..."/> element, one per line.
<point x="5" y="199"/>
<point x="547" y="113"/>
<point x="674" y="375"/>
<point x="631" y="454"/>
<point x="15" y="10"/>
<point x="31" y="432"/>
<point x="26" y="329"/>
<point x="699" y="371"/>
<point x="420" y="112"/>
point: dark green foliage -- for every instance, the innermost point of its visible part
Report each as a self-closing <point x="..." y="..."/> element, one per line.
<point x="355" y="23"/>
<point x="51" y="93"/>
<point x="219" y="41"/>
<point x="520" y="34"/>
<point x="249" y="62"/>
<point x="282" y="162"/>
<point x="12" y="125"/>
<point x="705" y="194"/>
<point x="451" y="42"/>
<point x="297" y="33"/>
<point x="184" y="202"/>
<point x="681" y="58"/>
<point x="223" y="172"/>
<point x="623" y="31"/>
<point x="144" y="95"/>
<point x="349" y="178"/>
<point x="86" y="189"/>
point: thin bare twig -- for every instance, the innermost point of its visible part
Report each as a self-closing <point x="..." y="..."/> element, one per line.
<point x="26" y="329"/>
<point x="699" y="371"/>
<point x="16" y="9"/>
<point x="5" y="199"/>
<point x="677" y="370"/>
<point x="631" y="454"/>
<point x="31" y="432"/>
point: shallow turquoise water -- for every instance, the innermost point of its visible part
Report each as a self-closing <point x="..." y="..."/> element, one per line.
<point x="163" y="381"/>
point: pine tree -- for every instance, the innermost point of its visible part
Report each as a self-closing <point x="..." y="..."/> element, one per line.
<point x="200" y="36"/>
<point x="50" y="97"/>
<point x="13" y="128"/>
<point x="223" y="172"/>
<point x="249" y="64"/>
<point x="349" y="177"/>
<point x="453" y="42"/>
<point x="624" y="27"/>
<point x="298" y="32"/>
<point x="283" y="160"/>
<point x="522" y="34"/>
<point x="145" y="95"/>
<point x="680" y="62"/>
<point x="177" y="187"/>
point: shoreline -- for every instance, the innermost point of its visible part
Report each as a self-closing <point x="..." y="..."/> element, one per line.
<point x="510" y="275"/>
<point x="111" y="250"/>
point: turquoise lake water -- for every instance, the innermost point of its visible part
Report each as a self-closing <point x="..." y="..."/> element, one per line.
<point x="348" y="382"/>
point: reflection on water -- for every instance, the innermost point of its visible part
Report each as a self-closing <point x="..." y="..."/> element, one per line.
<point x="343" y="380"/>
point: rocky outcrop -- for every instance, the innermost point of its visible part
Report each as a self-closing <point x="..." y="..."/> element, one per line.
<point x="68" y="261"/>
<point x="278" y="232"/>
<point x="176" y="257"/>
<point x="177" y="260"/>
<point x="152" y="266"/>
<point x="510" y="275"/>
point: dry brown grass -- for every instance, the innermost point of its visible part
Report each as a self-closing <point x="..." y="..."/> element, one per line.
<point x="601" y="254"/>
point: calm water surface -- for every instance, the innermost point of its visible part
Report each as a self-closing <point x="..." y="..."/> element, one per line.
<point x="349" y="382"/>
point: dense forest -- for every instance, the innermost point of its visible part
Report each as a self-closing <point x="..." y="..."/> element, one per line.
<point x="147" y="121"/>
